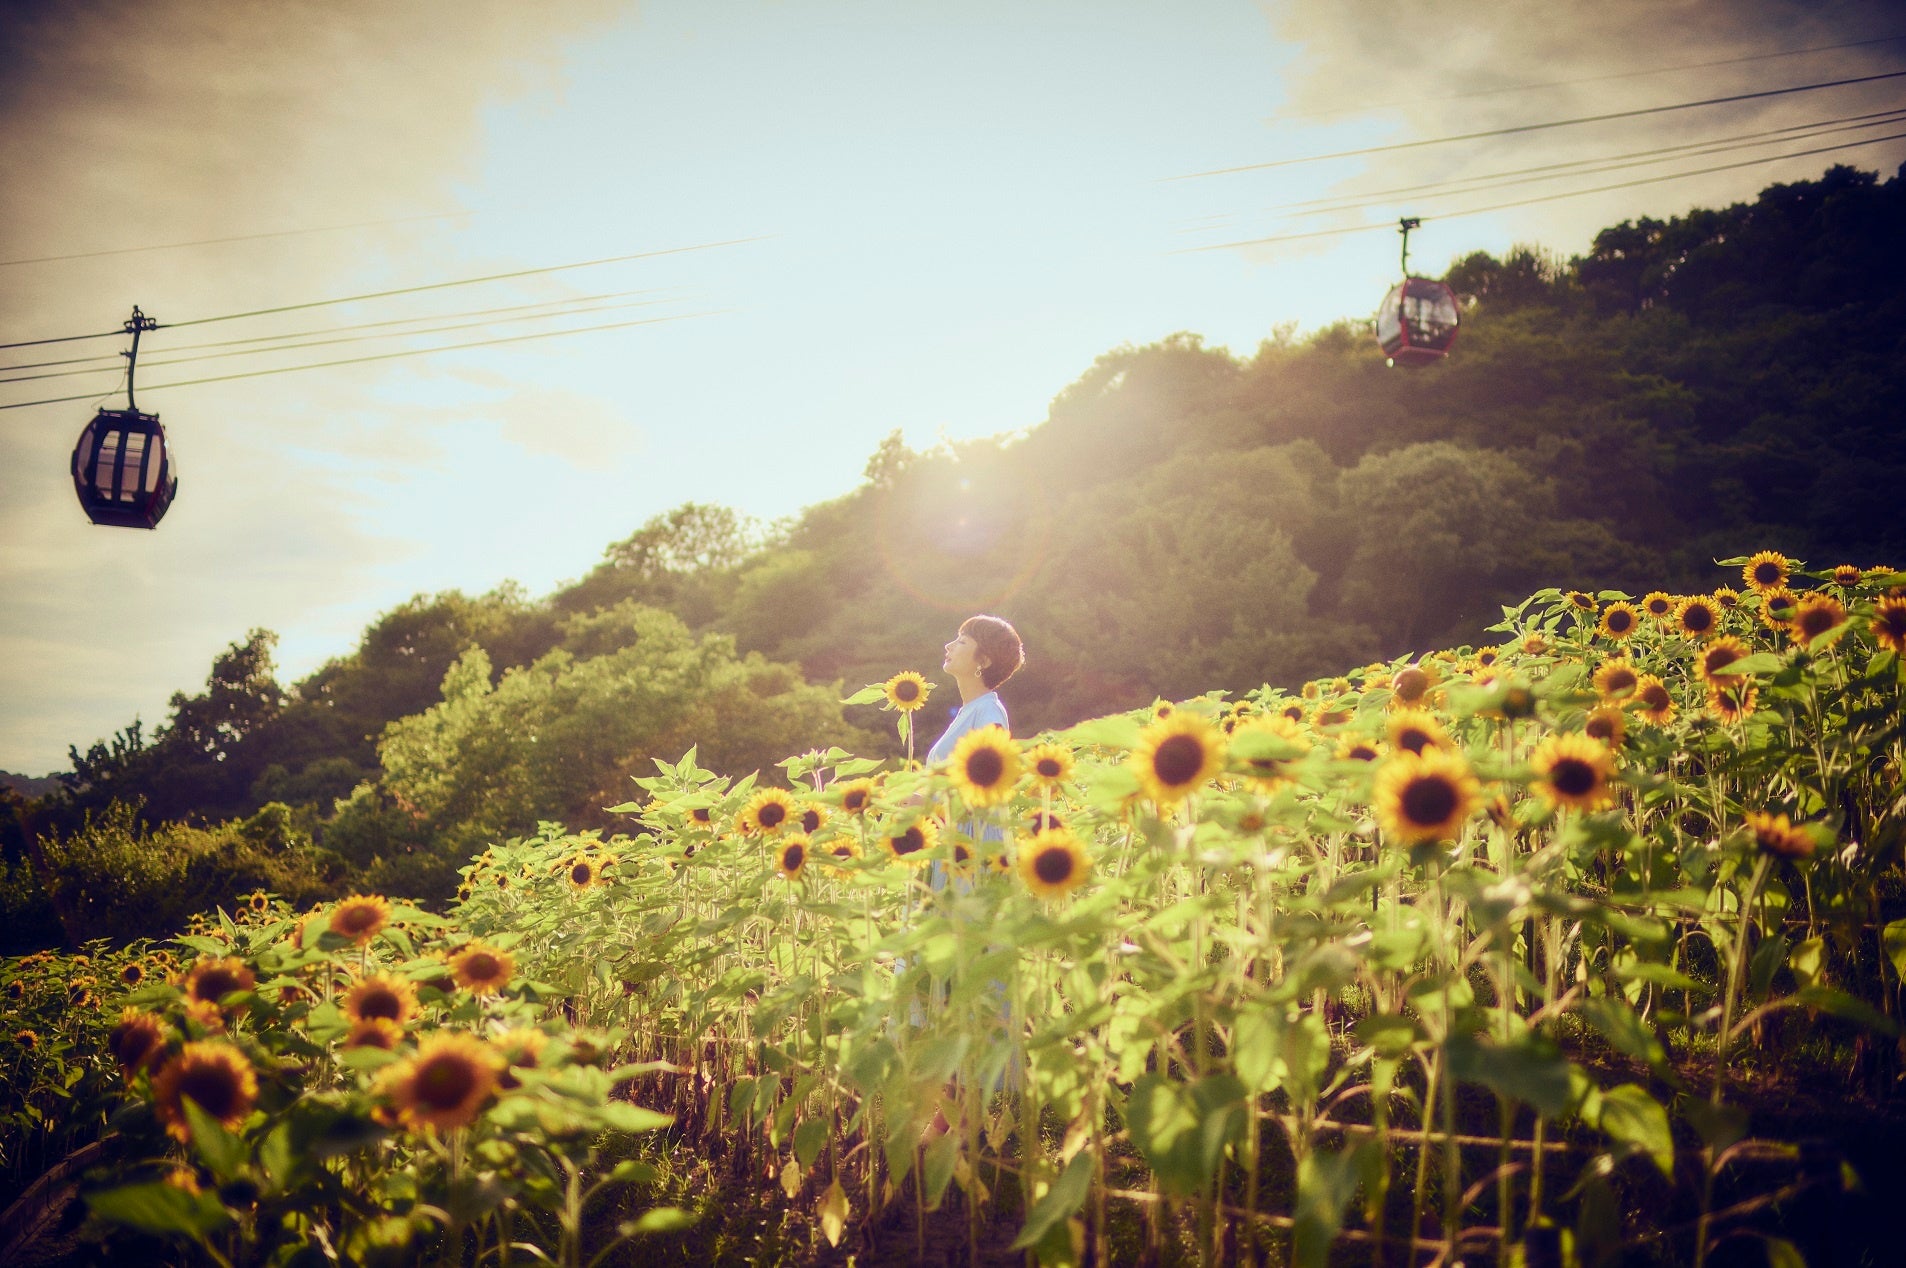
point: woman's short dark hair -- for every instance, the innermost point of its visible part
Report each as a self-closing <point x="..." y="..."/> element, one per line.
<point x="999" y="643"/>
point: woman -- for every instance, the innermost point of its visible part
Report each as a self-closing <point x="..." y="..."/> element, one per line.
<point x="984" y="654"/>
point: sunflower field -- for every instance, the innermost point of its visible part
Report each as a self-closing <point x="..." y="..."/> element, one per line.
<point x="1490" y="955"/>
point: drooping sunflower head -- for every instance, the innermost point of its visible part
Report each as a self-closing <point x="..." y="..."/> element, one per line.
<point x="767" y="811"/>
<point x="1413" y="684"/>
<point x="1846" y="576"/>
<point x="482" y="969"/>
<point x="914" y="841"/>
<point x="1050" y="764"/>
<point x="1815" y="615"/>
<point x="28" y="1039"/>
<point x="907" y="691"/>
<point x="215" y="1075"/>
<point x="1727" y="599"/>
<point x="1698" y="617"/>
<point x="1659" y="604"/>
<point x="1619" y="620"/>
<point x="856" y="795"/>
<point x="446" y="1084"/>
<point x="1777" y="608"/>
<point x="374" y="1032"/>
<point x="1416" y="731"/>
<point x="212" y="978"/>
<point x="137" y="1041"/>
<point x="1778" y="836"/>
<point x="1053" y="863"/>
<point x="1266" y="748"/>
<point x="1717" y="656"/>
<point x="381" y="996"/>
<point x="985" y="767"/>
<point x="812" y="817"/>
<point x="791" y="856"/>
<point x="1767" y="570"/>
<point x="1653" y="702"/>
<point x="1732" y="699"/>
<point x="1427" y="796"/>
<point x="360" y="917"/>
<point x="1616" y="679"/>
<point x="1606" y="725"/>
<point x="1581" y="601"/>
<point x="1889" y="624"/>
<point x="1573" y="770"/>
<point x="1175" y="757"/>
<point x="1534" y="645"/>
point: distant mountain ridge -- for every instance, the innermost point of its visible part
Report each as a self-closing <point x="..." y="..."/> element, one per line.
<point x="30" y="786"/>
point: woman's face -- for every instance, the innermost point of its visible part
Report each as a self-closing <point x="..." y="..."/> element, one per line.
<point x="962" y="657"/>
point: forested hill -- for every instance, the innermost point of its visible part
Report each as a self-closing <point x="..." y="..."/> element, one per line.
<point x="1184" y="519"/>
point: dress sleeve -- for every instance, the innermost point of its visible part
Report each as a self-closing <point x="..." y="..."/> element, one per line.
<point x="992" y="712"/>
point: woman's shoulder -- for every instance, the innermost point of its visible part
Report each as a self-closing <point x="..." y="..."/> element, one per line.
<point x="990" y="710"/>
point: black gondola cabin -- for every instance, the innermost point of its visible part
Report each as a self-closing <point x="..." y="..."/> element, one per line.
<point x="1417" y="323"/>
<point x="122" y="470"/>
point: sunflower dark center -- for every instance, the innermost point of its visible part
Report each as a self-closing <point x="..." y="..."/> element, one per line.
<point x="1053" y="865"/>
<point x="1720" y="658"/>
<point x="1619" y="621"/>
<point x="772" y="814"/>
<point x="1573" y="777"/>
<point x="810" y="819"/>
<point x="1658" y="607"/>
<point x="1767" y="573"/>
<point x="1655" y="697"/>
<point x="1411" y="684"/>
<point x="1599" y="728"/>
<point x="1049" y="768"/>
<point x="1816" y="621"/>
<point x="1429" y="800"/>
<point x="354" y="920"/>
<point x="581" y="873"/>
<point x="793" y="857"/>
<point x="214" y="1087"/>
<point x="1178" y="760"/>
<point x="1415" y="739"/>
<point x="1620" y="681"/>
<point x="909" y="841"/>
<point x="700" y="814"/>
<point x="1698" y="618"/>
<point x="1894" y="621"/>
<point x="984" y="767"/>
<point x="482" y="966"/>
<point x="1780" y="608"/>
<point x="216" y="984"/>
<point x="380" y="1003"/>
<point x="1362" y="753"/>
<point x="444" y="1082"/>
<point x="906" y="691"/>
<point x="960" y="853"/>
<point x="855" y="801"/>
<point x="1295" y="713"/>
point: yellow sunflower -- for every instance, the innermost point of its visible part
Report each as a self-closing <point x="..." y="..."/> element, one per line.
<point x="215" y="1075"/>
<point x="1273" y="745"/>
<point x="1776" y="835"/>
<point x="1767" y="570"/>
<point x="520" y="1048"/>
<point x="482" y="969"/>
<point x="1356" y="748"/>
<point x="767" y="811"/>
<point x="1619" y="620"/>
<point x="1616" y="679"/>
<point x="1659" y="604"/>
<point x="1161" y="709"/>
<point x="1732" y="699"/>
<point x="1777" y="608"/>
<point x="1294" y="711"/>
<point x="1416" y="731"/>
<point x="811" y="819"/>
<point x="1652" y="701"/>
<point x="27" y="1039"/>
<point x="1175" y="757"/>
<point x="1580" y="601"/>
<point x="1534" y="645"/>
<point x="1053" y="864"/>
<point x="1485" y="657"/>
<point x="1424" y="796"/>
<point x="137" y="1041"/>
<point x="1050" y="764"/>
<point x="1698" y="617"/>
<point x="856" y="796"/>
<point x="1889" y="624"/>
<point x="1815" y="615"/>
<point x="360" y="917"/>
<point x="1041" y="820"/>
<point x="381" y="996"/>
<point x="1412" y="685"/>
<point x="1846" y="576"/>
<point x="446" y="1084"/>
<point x="1717" y="656"/>
<point x="374" y="1032"/>
<point x="907" y="691"/>
<point x="1606" y="724"/>
<point x="985" y="766"/>
<point x="791" y="856"/>
<point x="1573" y="770"/>
<point x="212" y="978"/>
<point x="914" y="841"/>
<point x="1727" y="599"/>
<point x="132" y="972"/>
<point x="582" y="871"/>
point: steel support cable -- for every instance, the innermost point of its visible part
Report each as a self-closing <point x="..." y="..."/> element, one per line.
<point x="404" y="290"/>
<point x="1798" y="131"/>
<point x="339" y="330"/>
<point x="1395" y="146"/>
<point x="382" y="356"/>
<point x="322" y="343"/>
<point x="1563" y="171"/>
<point x="1545" y="198"/>
<point x="1598" y="79"/>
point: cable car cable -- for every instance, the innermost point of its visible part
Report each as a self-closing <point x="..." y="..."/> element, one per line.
<point x="35" y="343"/>
<point x="243" y="237"/>
<point x="1595" y="79"/>
<point x="383" y="356"/>
<point x="1546" y="198"/>
<point x="1537" y="127"/>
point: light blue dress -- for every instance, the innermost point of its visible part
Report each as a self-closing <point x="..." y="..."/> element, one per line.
<point x="987" y="710"/>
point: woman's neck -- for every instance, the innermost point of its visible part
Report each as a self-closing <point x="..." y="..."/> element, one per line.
<point x="971" y="689"/>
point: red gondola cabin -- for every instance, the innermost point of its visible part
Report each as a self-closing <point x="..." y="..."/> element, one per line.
<point x="1417" y="323"/>
<point x="123" y="471"/>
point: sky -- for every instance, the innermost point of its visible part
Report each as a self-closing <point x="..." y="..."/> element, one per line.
<point x="851" y="218"/>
